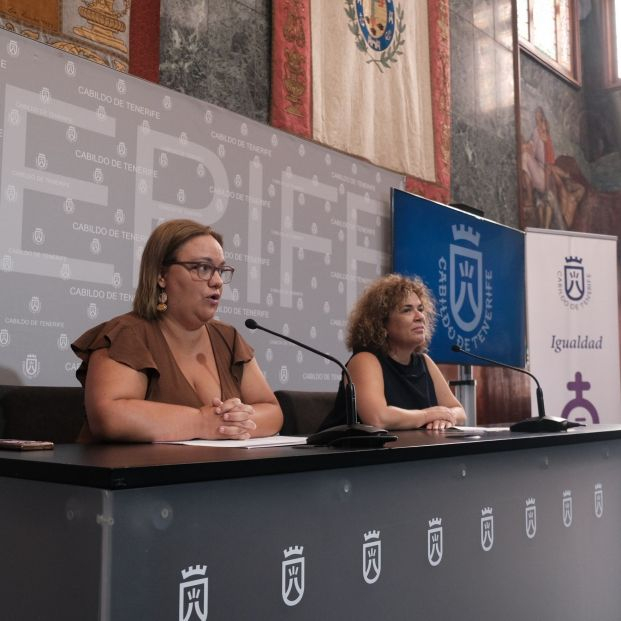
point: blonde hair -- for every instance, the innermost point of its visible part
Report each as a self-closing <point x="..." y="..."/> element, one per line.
<point x="160" y="250"/>
<point x="367" y="321"/>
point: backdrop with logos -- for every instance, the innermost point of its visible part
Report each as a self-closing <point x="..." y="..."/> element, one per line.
<point x="92" y="160"/>
<point x="573" y="331"/>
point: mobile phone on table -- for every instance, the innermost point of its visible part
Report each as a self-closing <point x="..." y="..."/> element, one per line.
<point x="25" y="445"/>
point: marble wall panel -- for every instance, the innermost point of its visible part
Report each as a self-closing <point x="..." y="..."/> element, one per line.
<point x="218" y="51"/>
<point x="483" y="138"/>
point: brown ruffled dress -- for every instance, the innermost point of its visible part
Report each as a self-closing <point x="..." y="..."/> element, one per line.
<point x="140" y="344"/>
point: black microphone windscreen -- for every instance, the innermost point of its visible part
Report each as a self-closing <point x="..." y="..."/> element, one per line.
<point x="252" y="324"/>
<point x="454" y="347"/>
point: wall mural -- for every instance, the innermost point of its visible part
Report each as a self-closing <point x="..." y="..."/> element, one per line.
<point x="98" y="30"/>
<point x="571" y="146"/>
<point x="570" y="169"/>
<point x="553" y="188"/>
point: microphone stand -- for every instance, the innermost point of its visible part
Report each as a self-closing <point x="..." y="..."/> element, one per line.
<point x="351" y="435"/>
<point x="536" y="424"/>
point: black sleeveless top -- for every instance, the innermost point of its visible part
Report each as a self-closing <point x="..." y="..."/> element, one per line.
<point x="408" y="386"/>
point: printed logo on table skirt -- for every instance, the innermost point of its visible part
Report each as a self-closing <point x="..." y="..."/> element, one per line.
<point x="434" y="541"/>
<point x="531" y="517"/>
<point x="599" y="500"/>
<point x="193" y="594"/>
<point x="293" y="575"/>
<point x="567" y="508"/>
<point x="371" y="556"/>
<point x="487" y="529"/>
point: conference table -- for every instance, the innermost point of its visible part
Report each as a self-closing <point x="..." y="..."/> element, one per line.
<point x="433" y="526"/>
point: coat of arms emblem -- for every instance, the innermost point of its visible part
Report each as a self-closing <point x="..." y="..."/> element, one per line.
<point x="531" y="517"/>
<point x="371" y="556"/>
<point x="487" y="529"/>
<point x="434" y="541"/>
<point x="193" y="595"/>
<point x="293" y="575"/>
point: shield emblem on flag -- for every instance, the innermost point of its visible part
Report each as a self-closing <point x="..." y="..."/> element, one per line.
<point x="599" y="500"/>
<point x="371" y="561"/>
<point x="5" y="339"/>
<point x="574" y="282"/>
<point x="567" y="509"/>
<point x="487" y="532"/>
<point x="434" y="542"/>
<point x="466" y="287"/>
<point x="193" y="600"/>
<point x="292" y="579"/>
<point x="531" y="519"/>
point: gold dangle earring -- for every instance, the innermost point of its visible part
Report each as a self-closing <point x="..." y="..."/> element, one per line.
<point x="162" y="298"/>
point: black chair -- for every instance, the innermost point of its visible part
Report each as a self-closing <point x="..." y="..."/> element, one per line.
<point x="54" y="413"/>
<point x="304" y="410"/>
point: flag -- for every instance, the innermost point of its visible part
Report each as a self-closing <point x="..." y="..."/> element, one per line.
<point x="368" y="77"/>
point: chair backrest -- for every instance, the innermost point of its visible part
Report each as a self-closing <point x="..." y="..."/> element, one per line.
<point x="54" y="413"/>
<point x="304" y="410"/>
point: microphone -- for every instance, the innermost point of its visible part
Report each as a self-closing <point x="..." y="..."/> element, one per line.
<point x="352" y="434"/>
<point x="538" y="424"/>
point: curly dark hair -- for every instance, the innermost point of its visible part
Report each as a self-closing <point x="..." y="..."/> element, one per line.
<point x="367" y="321"/>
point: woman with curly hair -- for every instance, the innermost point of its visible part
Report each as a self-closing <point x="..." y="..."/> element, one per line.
<point x="398" y="385"/>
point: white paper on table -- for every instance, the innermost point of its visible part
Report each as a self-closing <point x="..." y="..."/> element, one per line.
<point x="252" y="443"/>
<point x="478" y="429"/>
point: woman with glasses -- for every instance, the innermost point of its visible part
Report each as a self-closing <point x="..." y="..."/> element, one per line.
<point x="168" y="370"/>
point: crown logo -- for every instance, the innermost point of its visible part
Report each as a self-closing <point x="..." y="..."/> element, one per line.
<point x="435" y="522"/>
<point x="486" y="511"/>
<point x="598" y="487"/>
<point x="577" y="260"/>
<point x="567" y="493"/>
<point x="372" y="534"/>
<point x="293" y="550"/>
<point x="530" y="502"/>
<point x="198" y="570"/>
<point x="465" y="233"/>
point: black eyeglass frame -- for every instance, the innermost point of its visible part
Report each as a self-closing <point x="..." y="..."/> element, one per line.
<point x="224" y="271"/>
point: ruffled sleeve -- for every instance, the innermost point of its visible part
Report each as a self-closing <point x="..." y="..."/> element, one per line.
<point x="127" y="339"/>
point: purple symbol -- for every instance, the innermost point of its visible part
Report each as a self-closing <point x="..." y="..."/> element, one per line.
<point x="580" y="386"/>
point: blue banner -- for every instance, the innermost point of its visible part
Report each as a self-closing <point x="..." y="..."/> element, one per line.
<point x="475" y="269"/>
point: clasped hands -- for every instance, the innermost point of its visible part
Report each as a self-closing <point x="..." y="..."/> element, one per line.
<point x="441" y="418"/>
<point x="228" y="420"/>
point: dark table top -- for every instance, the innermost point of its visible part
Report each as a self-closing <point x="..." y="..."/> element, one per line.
<point x="123" y="466"/>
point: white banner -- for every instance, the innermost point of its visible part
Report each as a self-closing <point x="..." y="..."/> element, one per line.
<point x="572" y="320"/>
<point x="371" y="64"/>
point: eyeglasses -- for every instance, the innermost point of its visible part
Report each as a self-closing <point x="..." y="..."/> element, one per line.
<point x="205" y="271"/>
